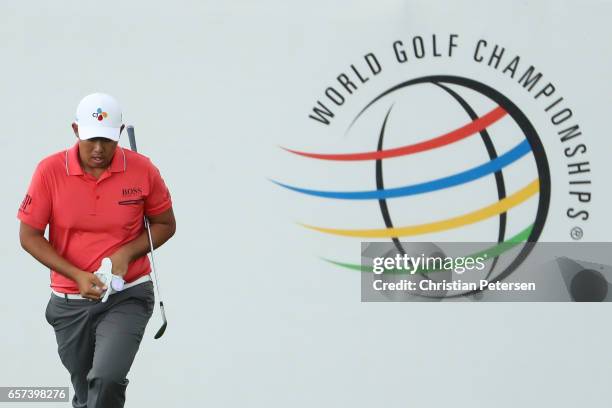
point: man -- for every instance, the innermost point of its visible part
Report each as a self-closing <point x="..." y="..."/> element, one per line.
<point x="93" y="197"/>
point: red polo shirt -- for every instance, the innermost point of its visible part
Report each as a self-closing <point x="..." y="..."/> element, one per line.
<point x="90" y="219"/>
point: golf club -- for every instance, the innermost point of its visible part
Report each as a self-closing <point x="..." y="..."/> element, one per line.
<point x="162" y="329"/>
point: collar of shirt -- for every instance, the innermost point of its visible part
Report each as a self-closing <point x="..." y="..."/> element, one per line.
<point x="73" y="166"/>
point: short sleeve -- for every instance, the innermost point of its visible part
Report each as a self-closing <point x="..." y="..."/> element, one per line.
<point x="158" y="200"/>
<point x="35" y="209"/>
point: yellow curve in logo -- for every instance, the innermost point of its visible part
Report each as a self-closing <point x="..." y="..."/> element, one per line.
<point x="497" y="208"/>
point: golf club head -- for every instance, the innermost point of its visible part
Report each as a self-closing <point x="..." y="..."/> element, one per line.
<point x="162" y="329"/>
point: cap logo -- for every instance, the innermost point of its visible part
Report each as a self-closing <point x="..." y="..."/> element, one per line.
<point x="99" y="114"/>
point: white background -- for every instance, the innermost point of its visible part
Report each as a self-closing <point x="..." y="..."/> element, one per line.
<point x="255" y="317"/>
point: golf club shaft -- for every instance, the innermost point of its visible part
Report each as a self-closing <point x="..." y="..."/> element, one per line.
<point x="132" y="139"/>
<point x="146" y="221"/>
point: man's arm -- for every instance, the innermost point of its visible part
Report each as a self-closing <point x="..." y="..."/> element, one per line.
<point x="34" y="242"/>
<point x="162" y="226"/>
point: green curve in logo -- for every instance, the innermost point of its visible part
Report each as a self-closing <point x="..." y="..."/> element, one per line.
<point x="491" y="252"/>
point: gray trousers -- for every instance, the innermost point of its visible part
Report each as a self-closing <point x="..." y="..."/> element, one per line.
<point x="97" y="342"/>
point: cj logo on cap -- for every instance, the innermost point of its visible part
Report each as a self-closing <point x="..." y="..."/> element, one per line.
<point x="99" y="114"/>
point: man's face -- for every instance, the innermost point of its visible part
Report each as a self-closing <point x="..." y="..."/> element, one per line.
<point x="97" y="152"/>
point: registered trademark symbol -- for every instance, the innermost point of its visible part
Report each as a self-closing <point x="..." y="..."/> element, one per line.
<point x="576" y="233"/>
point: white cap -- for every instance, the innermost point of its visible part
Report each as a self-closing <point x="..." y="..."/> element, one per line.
<point x="99" y="115"/>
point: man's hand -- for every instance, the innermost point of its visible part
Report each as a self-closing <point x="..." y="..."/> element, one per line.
<point x="90" y="286"/>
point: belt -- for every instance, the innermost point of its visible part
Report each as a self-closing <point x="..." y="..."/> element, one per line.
<point x="138" y="281"/>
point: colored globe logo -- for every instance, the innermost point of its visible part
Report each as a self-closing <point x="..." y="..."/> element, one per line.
<point x="453" y="160"/>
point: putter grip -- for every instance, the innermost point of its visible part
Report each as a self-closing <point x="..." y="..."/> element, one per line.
<point x="132" y="137"/>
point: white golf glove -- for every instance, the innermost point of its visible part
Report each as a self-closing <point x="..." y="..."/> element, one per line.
<point x="113" y="283"/>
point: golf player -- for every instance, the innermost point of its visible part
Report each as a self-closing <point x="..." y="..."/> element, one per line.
<point x="93" y="197"/>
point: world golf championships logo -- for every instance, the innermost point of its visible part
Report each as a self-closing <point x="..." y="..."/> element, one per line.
<point x="521" y="144"/>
